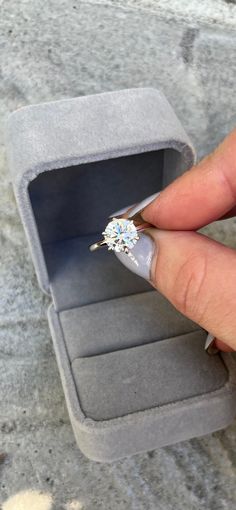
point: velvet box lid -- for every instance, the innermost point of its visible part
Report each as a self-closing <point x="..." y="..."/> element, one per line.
<point x="134" y="370"/>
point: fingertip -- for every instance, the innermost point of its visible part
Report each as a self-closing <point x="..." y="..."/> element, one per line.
<point x="222" y="346"/>
<point x="180" y="205"/>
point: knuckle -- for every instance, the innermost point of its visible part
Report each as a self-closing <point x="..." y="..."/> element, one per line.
<point x="189" y="287"/>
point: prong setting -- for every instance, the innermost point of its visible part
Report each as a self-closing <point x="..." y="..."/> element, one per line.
<point x="120" y="235"/>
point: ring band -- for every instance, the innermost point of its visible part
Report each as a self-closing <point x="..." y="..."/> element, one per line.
<point x="97" y="245"/>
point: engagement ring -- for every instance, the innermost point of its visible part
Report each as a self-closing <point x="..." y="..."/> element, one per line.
<point x="120" y="235"/>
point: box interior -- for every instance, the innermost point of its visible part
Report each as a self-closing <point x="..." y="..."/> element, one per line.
<point x="71" y="208"/>
<point x="129" y="349"/>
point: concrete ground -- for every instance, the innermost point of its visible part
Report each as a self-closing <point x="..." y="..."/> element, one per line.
<point x="51" y="50"/>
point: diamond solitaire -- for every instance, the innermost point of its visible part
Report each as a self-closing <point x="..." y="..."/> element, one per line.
<point x="120" y="235"/>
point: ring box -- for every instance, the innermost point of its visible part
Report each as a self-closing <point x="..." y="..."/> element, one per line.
<point x="134" y="370"/>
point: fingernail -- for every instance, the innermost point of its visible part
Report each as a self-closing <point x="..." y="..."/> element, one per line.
<point x="139" y="259"/>
<point x="139" y="207"/>
<point x="209" y="339"/>
<point x="121" y="211"/>
<point x="210" y="346"/>
<point x="135" y="208"/>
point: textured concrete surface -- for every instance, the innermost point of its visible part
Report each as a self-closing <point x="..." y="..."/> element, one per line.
<point x="50" y="50"/>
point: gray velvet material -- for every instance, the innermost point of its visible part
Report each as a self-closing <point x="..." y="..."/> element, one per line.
<point x="76" y="201"/>
<point x="79" y="277"/>
<point x="73" y="132"/>
<point x="73" y="162"/>
<point x="152" y="375"/>
<point x="112" y="439"/>
<point x="121" y="323"/>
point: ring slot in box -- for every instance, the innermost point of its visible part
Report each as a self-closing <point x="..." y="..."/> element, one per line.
<point x="133" y="369"/>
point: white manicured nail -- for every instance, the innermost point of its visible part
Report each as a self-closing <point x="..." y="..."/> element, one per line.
<point x="135" y="208"/>
<point x="139" y="207"/>
<point x="120" y="212"/>
<point x="139" y="259"/>
<point x="209" y="345"/>
<point x="209" y="339"/>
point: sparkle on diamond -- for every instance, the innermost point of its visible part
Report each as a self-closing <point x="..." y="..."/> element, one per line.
<point x="120" y="234"/>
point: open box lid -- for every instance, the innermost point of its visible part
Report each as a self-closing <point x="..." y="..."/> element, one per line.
<point x="134" y="128"/>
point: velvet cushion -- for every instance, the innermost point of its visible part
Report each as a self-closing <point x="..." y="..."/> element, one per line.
<point x="121" y="323"/>
<point x="152" y="375"/>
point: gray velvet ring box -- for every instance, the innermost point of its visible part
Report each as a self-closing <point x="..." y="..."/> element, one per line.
<point x="134" y="370"/>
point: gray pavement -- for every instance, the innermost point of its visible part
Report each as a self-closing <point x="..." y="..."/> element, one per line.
<point x="52" y="50"/>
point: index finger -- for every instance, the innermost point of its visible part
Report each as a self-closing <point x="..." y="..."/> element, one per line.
<point x="203" y="194"/>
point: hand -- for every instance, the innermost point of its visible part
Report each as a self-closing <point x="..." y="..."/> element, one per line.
<point x="197" y="274"/>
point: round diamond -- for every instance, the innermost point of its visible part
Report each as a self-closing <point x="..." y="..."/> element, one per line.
<point x="120" y="234"/>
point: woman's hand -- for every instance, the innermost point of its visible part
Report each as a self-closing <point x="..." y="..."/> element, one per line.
<point x="197" y="274"/>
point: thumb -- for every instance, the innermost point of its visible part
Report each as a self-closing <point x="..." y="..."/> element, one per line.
<point x="196" y="274"/>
